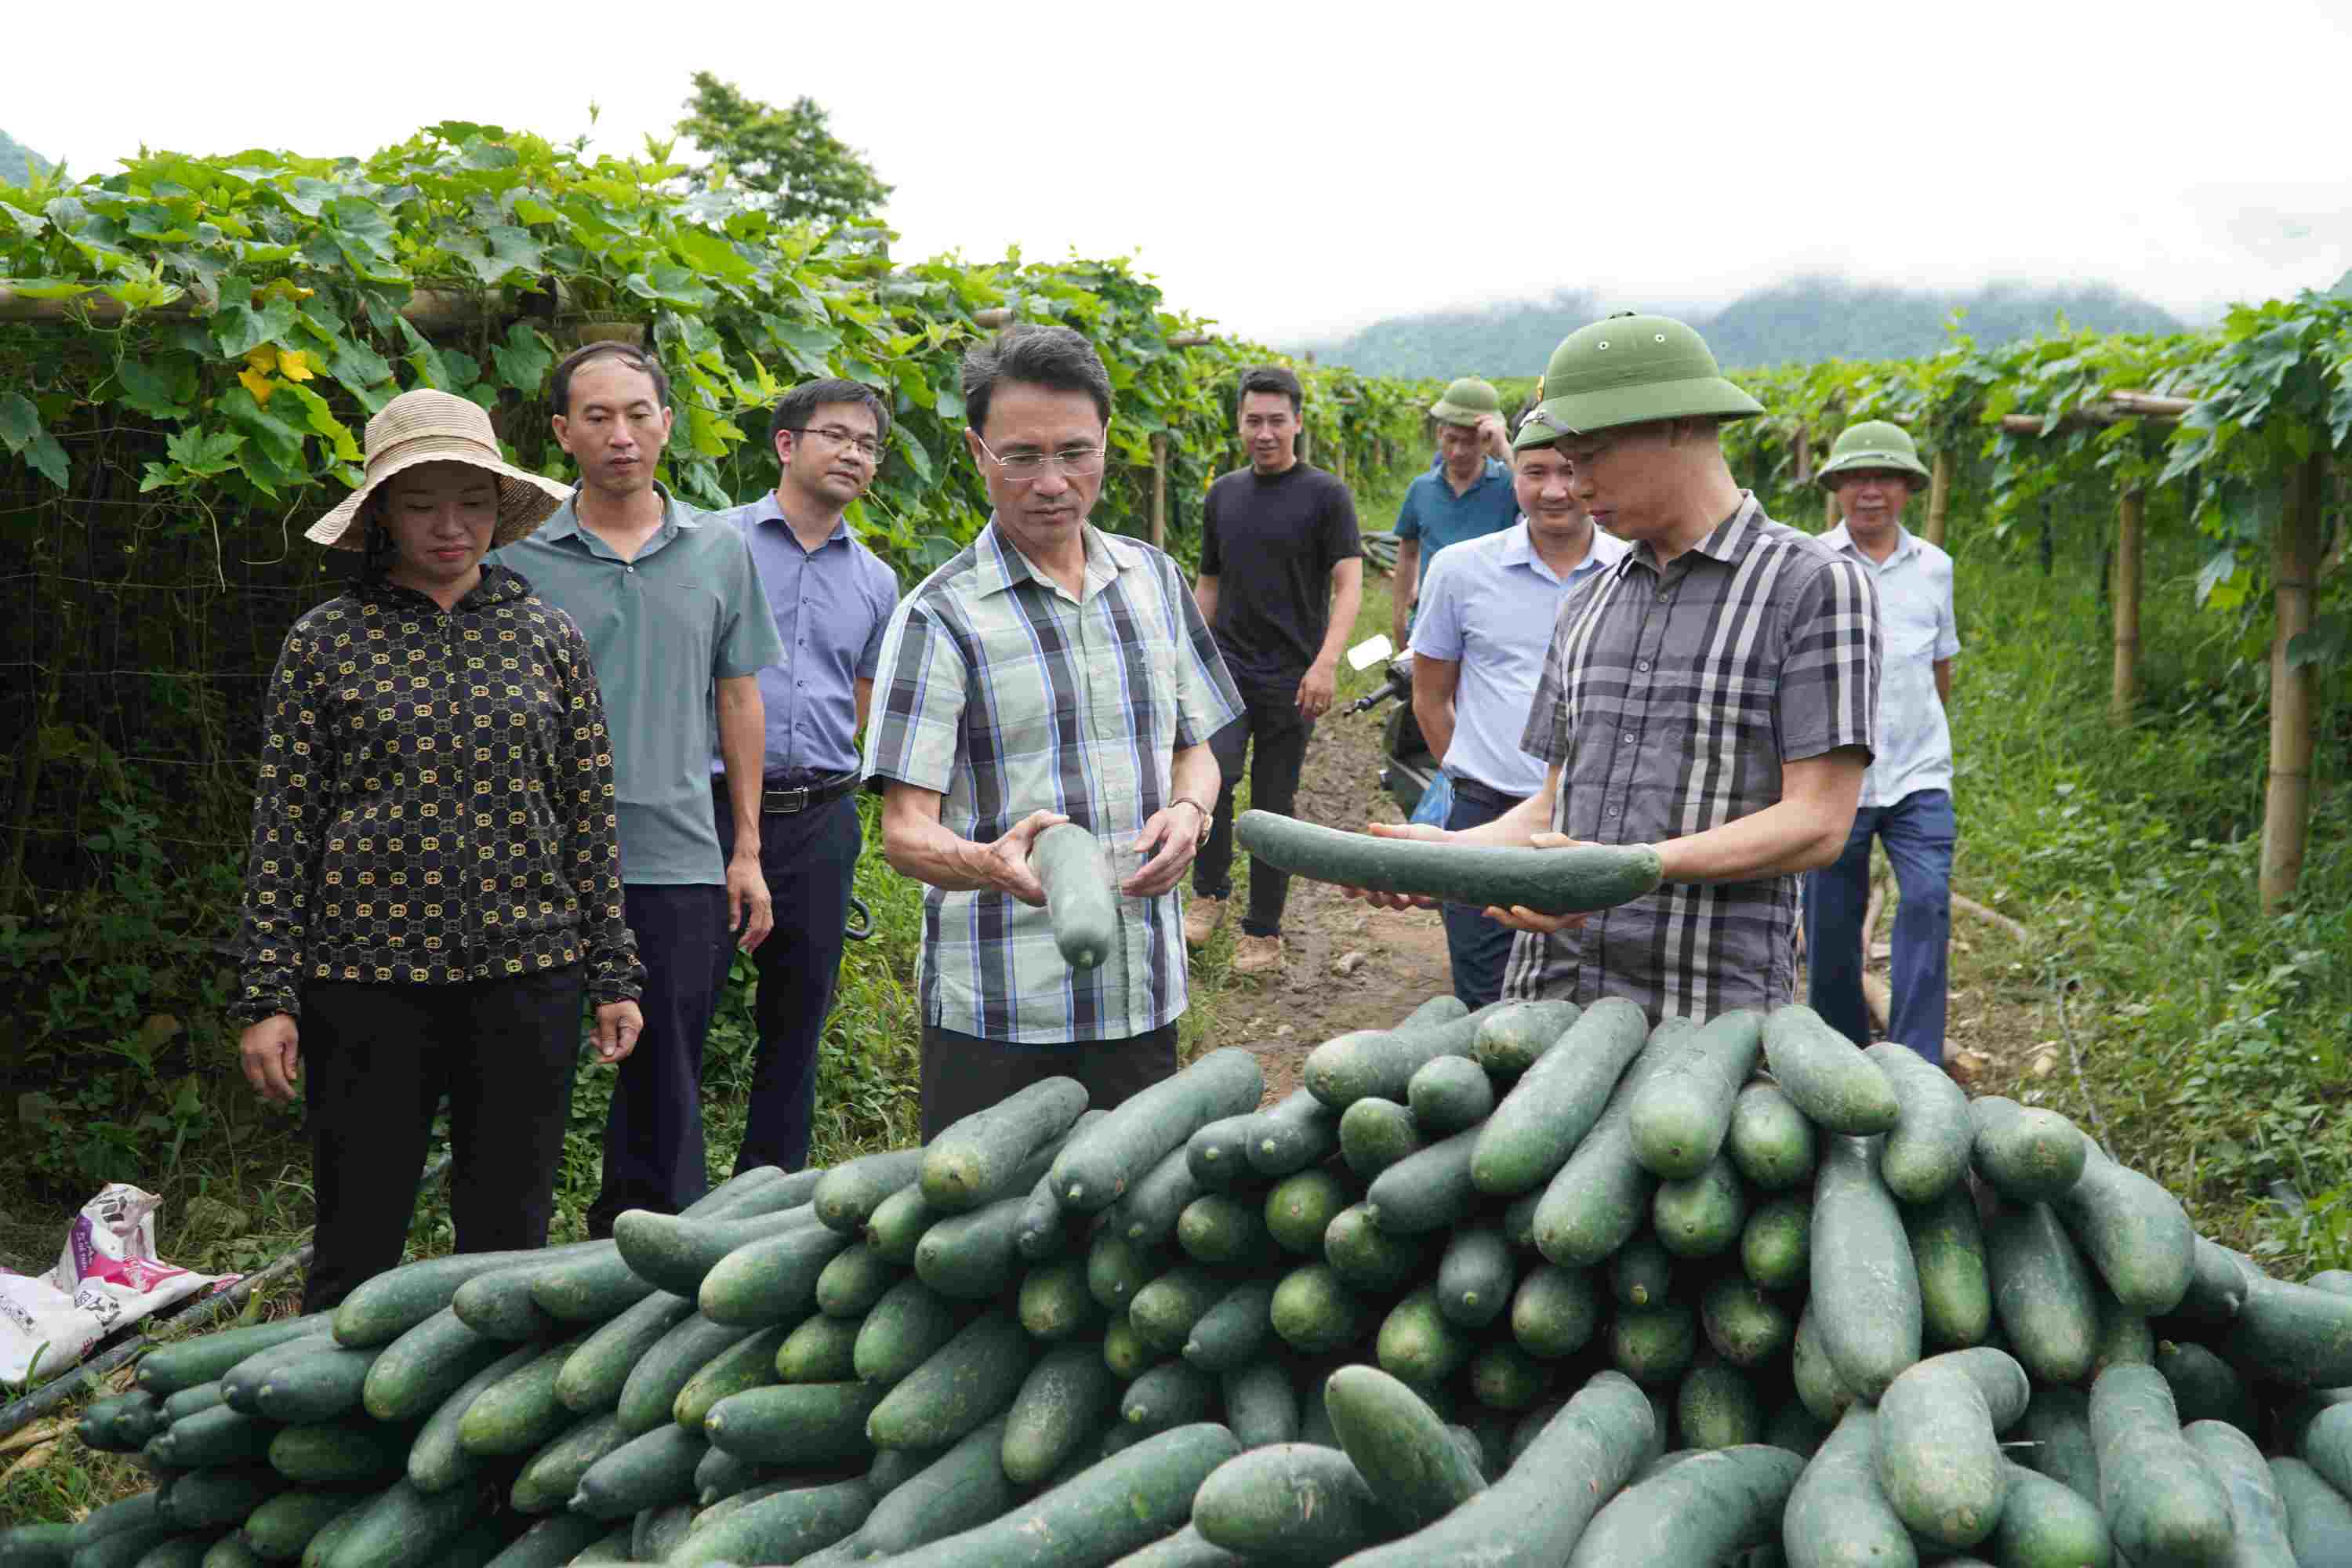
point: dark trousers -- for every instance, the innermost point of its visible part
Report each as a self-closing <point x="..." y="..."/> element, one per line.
<point x="1920" y="832"/>
<point x="964" y="1073"/>
<point x="377" y="1058"/>
<point x="653" y="1133"/>
<point x="1478" y="947"/>
<point x="1272" y="728"/>
<point x="808" y="858"/>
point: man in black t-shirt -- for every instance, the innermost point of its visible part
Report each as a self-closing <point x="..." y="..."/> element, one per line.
<point x="1281" y="615"/>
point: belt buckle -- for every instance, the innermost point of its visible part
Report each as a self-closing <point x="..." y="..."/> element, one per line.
<point x="774" y="800"/>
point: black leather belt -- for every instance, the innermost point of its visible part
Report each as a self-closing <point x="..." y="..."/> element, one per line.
<point x="1471" y="789"/>
<point x="780" y="800"/>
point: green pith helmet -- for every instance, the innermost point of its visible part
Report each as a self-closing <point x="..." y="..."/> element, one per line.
<point x="1875" y="444"/>
<point x="1467" y="401"/>
<point x="1629" y="370"/>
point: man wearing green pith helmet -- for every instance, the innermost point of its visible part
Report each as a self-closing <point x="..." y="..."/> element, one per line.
<point x="1906" y="796"/>
<point x="1468" y="495"/>
<point x="1712" y="694"/>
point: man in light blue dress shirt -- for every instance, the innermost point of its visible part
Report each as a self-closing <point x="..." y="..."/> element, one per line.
<point x="1907" y="794"/>
<point x="830" y="597"/>
<point x="1487" y="609"/>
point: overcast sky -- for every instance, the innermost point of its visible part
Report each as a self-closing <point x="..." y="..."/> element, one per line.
<point x="1294" y="170"/>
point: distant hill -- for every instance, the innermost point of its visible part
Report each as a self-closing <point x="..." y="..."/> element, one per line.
<point x="18" y="163"/>
<point x="1805" y="320"/>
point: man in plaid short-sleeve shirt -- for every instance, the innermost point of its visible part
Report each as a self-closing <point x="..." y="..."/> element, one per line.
<point x="1049" y="672"/>
<point x="1713" y="694"/>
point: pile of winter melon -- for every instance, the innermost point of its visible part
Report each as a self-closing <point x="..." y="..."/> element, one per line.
<point x="1523" y="1286"/>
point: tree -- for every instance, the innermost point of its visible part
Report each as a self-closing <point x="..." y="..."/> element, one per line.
<point x="788" y="154"/>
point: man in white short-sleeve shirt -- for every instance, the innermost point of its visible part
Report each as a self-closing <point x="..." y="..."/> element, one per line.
<point x="1487" y="612"/>
<point x="1907" y="794"/>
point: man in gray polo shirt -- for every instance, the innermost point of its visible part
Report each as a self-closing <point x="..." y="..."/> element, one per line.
<point x="678" y="626"/>
<point x="830" y="597"/>
<point x="1906" y="796"/>
<point x="1487" y="612"/>
<point x="1714" y="694"/>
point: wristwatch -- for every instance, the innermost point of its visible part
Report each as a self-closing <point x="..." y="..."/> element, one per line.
<point x="1196" y="806"/>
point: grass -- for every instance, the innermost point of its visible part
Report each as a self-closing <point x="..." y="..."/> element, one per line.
<point x="2211" y="1036"/>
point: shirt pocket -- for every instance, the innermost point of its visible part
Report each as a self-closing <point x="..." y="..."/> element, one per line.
<point x="1155" y="707"/>
<point x="1910" y="632"/>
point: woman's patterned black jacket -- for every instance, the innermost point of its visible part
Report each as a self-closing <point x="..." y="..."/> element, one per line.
<point x="435" y="802"/>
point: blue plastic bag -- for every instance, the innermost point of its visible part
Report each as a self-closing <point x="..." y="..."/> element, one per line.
<point x="1436" y="802"/>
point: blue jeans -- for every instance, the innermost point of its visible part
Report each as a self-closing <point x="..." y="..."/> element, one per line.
<point x="1479" y="948"/>
<point x="1919" y="832"/>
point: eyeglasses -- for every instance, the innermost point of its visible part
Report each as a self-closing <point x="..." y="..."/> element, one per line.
<point x="1073" y="461"/>
<point x="866" y="447"/>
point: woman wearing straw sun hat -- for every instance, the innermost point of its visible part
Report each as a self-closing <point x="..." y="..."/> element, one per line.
<point x="435" y="881"/>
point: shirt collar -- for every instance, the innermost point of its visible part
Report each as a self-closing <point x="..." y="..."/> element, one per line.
<point x="1001" y="567"/>
<point x="767" y="508"/>
<point x="1839" y="539"/>
<point x="1493" y="468"/>
<point x="1519" y="550"/>
<point x="1726" y="542"/>
<point x="565" y="523"/>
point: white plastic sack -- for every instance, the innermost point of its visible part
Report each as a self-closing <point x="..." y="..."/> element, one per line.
<point x="107" y="1275"/>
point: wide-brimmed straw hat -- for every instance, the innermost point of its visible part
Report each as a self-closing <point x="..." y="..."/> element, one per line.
<point x="426" y="427"/>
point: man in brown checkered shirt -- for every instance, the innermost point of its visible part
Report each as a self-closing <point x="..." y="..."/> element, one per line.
<point x="1714" y="693"/>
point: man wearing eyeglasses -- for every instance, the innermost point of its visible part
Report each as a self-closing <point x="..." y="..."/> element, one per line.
<point x="830" y="596"/>
<point x="1050" y="672"/>
<point x="1712" y="694"/>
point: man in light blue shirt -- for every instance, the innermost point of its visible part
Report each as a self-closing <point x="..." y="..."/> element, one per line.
<point x="1907" y="794"/>
<point x="1487" y="610"/>
<point x="678" y="629"/>
<point x="830" y="597"/>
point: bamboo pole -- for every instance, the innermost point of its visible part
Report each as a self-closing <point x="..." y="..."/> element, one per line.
<point x="1805" y="455"/>
<point x="2286" y="807"/>
<point x="1939" y="497"/>
<point x="2112" y="409"/>
<point x="2122" y="696"/>
<point x="1160" y="491"/>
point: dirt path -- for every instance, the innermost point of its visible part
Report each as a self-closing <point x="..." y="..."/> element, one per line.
<point x="1284" y="1015"/>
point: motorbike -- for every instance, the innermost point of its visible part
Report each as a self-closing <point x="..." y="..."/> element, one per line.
<point x="1407" y="768"/>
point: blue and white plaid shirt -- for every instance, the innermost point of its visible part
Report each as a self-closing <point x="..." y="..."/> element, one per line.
<point x="1006" y="695"/>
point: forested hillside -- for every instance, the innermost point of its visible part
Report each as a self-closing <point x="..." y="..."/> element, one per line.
<point x="1805" y="320"/>
<point x="18" y="163"/>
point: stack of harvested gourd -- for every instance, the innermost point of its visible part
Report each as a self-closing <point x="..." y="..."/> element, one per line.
<point x="1527" y="1285"/>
